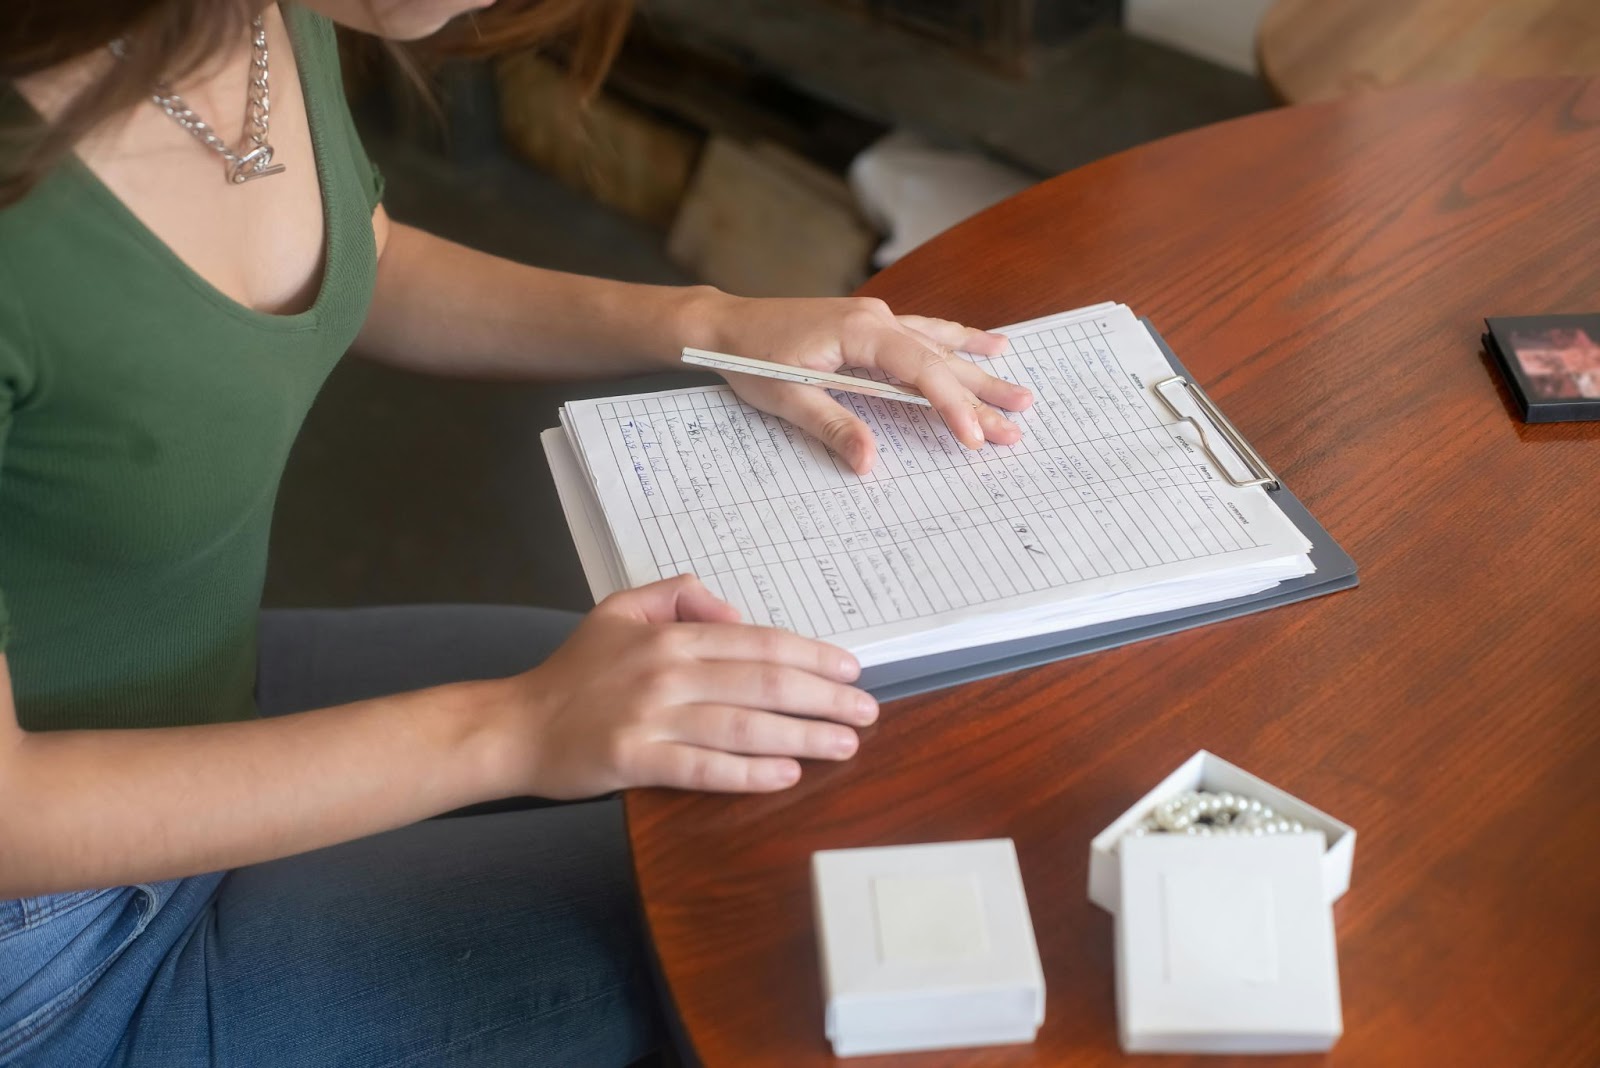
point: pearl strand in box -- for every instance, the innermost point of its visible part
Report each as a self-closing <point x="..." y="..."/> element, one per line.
<point x="1202" y="813"/>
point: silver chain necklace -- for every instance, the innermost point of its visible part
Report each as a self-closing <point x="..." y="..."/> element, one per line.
<point x="256" y="162"/>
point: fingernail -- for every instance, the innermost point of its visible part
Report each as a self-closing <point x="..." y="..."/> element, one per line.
<point x="789" y="774"/>
<point x="849" y="668"/>
<point x="867" y="705"/>
<point x="844" y="743"/>
<point x="1004" y="341"/>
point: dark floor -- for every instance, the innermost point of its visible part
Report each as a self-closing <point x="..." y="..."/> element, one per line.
<point x="409" y="489"/>
<point x="404" y="488"/>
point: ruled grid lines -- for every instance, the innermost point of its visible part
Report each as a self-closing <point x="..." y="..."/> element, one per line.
<point x="770" y="520"/>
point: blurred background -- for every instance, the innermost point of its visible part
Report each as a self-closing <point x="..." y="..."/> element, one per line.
<point x="774" y="147"/>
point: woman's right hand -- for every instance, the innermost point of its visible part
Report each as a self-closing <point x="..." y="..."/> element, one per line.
<point x="663" y="686"/>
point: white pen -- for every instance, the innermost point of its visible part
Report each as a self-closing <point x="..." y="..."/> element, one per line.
<point x="722" y="361"/>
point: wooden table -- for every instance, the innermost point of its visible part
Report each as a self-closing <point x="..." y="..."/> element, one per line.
<point x="1318" y="49"/>
<point x="1323" y="271"/>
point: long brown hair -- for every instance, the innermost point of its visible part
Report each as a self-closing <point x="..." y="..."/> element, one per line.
<point x="165" y="40"/>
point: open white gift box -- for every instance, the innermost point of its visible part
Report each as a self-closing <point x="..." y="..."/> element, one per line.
<point x="1224" y="944"/>
<point x="1207" y="771"/>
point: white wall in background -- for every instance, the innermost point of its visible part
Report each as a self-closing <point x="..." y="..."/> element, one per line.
<point x="1223" y="31"/>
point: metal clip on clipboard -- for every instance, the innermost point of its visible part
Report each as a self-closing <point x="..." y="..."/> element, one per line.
<point x="1262" y="474"/>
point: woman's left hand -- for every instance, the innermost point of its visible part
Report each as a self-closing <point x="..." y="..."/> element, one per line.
<point x="825" y="334"/>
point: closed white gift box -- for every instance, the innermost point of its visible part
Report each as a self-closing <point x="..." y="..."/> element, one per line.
<point x="1225" y="945"/>
<point x="1207" y="771"/>
<point x="926" y="947"/>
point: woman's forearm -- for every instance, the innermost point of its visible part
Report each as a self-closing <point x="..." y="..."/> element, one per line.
<point x="441" y="308"/>
<point x="85" y="809"/>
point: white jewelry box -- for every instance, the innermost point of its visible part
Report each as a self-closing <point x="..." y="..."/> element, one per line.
<point x="1225" y="945"/>
<point x="926" y="947"/>
<point x="1207" y="771"/>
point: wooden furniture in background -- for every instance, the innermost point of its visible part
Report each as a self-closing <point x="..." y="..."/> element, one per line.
<point x="1003" y="32"/>
<point x="761" y="221"/>
<point x="623" y="157"/>
<point x="1317" y="49"/>
<point x="1323" y="271"/>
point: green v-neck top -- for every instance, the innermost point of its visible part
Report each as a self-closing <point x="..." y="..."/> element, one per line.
<point x="145" y="419"/>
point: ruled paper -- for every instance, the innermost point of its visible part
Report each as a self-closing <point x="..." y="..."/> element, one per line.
<point x="1106" y="497"/>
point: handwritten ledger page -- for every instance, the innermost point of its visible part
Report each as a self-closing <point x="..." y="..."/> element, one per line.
<point x="1108" y="508"/>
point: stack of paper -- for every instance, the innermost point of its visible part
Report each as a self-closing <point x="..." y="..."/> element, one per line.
<point x="1108" y="509"/>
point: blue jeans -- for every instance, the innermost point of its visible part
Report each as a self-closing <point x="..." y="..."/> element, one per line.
<point x="503" y="938"/>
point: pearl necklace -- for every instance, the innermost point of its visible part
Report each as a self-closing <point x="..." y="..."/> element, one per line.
<point x="1204" y="813"/>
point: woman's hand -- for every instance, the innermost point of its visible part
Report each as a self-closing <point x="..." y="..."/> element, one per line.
<point x="826" y="334"/>
<point x="663" y="686"/>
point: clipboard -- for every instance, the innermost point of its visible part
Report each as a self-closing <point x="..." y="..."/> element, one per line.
<point x="1335" y="570"/>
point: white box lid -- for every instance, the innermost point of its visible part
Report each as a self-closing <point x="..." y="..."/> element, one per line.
<point x="926" y="946"/>
<point x="1207" y="771"/>
<point x="1226" y="945"/>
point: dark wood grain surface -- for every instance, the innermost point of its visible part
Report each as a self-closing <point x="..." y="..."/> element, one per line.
<point x="1323" y="271"/>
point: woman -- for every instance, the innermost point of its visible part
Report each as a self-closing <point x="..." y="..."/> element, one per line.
<point x="169" y="305"/>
